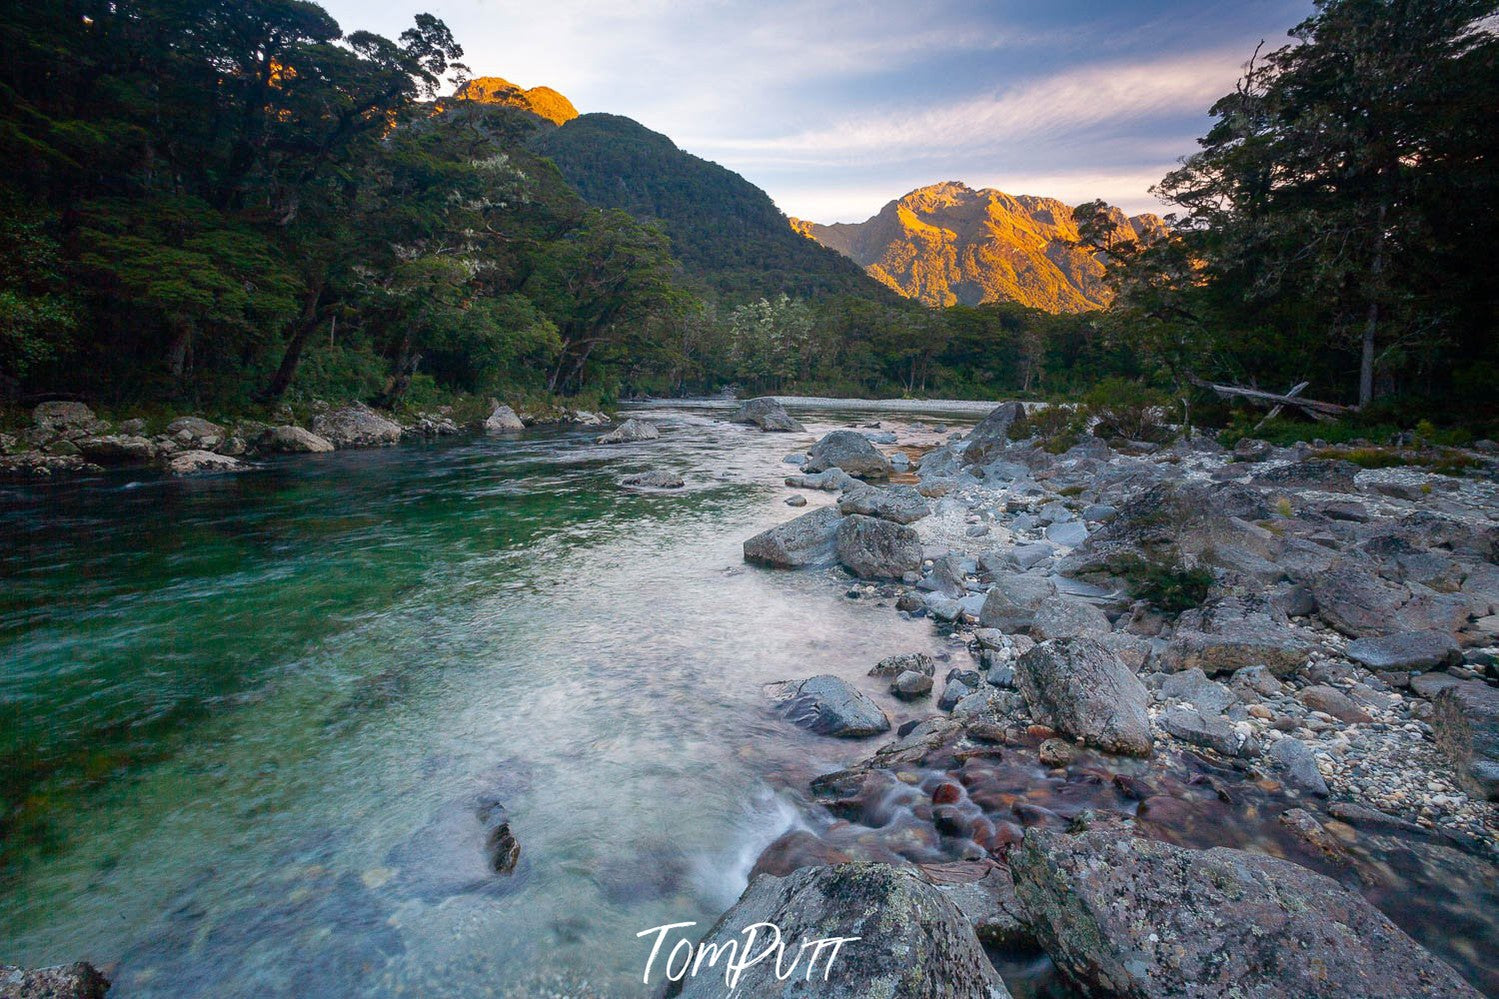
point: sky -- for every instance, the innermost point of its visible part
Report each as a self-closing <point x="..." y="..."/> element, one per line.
<point x="836" y="108"/>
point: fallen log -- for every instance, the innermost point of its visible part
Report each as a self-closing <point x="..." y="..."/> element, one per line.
<point x="1324" y="411"/>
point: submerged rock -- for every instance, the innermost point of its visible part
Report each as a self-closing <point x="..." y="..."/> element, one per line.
<point x="828" y="705"/>
<point x="850" y="451"/>
<point x="1082" y="689"/>
<point x="914" y="943"/>
<point x="652" y="480"/>
<point x="767" y="414"/>
<point x="629" y="431"/>
<point x="877" y="549"/>
<point x="355" y="426"/>
<point x="918" y="662"/>
<point x="807" y="540"/>
<point x="66" y="981"/>
<point x="1136" y="918"/>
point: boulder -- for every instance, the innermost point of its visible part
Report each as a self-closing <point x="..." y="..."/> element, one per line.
<point x="767" y="414"/>
<point x="194" y="431"/>
<point x="877" y="549"/>
<point x="501" y="851"/>
<point x="1466" y="722"/>
<point x="986" y="441"/>
<point x="1207" y="730"/>
<point x="355" y="426"/>
<point x="1225" y="636"/>
<point x="794" y="850"/>
<point x="1325" y="475"/>
<point x="1299" y="764"/>
<point x="203" y="463"/>
<point x="1355" y="601"/>
<point x="1081" y="688"/>
<point x="902" y="504"/>
<point x="292" y="440"/>
<point x="1140" y="919"/>
<point x="67" y="981"/>
<point x="830" y="480"/>
<point x="913" y="942"/>
<point x="1411" y="651"/>
<point x="807" y="540"/>
<point x="1196" y="689"/>
<point x="116" y="449"/>
<point x="1013" y="600"/>
<point x="502" y="419"/>
<point x="1063" y="617"/>
<point x="652" y="480"/>
<point x="61" y="416"/>
<point x="829" y="706"/>
<point x="1332" y="701"/>
<point x="630" y="431"/>
<point x="849" y="451"/>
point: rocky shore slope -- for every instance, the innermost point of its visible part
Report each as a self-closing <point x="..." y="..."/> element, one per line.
<point x="1214" y="722"/>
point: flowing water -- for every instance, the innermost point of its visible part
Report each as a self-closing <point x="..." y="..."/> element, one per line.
<point x="244" y="720"/>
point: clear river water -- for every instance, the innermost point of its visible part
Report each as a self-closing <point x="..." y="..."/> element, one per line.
<point x="244" y="719"/>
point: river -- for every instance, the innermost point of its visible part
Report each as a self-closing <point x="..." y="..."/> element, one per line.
<point x="245" y="718"/>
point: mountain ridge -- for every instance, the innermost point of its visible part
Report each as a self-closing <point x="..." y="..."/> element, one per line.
<point x="950" y="244"/>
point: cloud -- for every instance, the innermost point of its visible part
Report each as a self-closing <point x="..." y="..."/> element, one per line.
<point x="1106" y="97"/>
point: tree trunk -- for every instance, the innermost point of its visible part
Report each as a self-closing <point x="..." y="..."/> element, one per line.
<point x="306" y="323"/>
<point x="1371" y="324"/>
<point x="179" y="347"/>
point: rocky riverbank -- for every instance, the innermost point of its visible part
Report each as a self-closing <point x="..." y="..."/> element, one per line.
<point x="1216" y="721"/>
<point x="66" y="437"/>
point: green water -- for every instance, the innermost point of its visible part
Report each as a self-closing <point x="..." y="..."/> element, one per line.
<point x="245" y="718"/>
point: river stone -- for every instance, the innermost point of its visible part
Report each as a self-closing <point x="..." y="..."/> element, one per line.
<point x="355" y="426"/>
<point x="807" y="540"/>
<point x="767" y="414"/>
<point x="902" y="504"/>
<point x="1080" y="688"/>
<point x="850" y="451"/>
<point x="830" y="480"/>
<point x="116" y="449"/>
<point x="1068" y="534"/>
<point x="1299" y="764"/>
<point x="1331" y="701"/>
<point x="1360" y="604"/>
<point x="1466" y="723"/>
<point x="1236" y="646"/>
<point x="1141" y="919"/>
<point x="502" y="419"/>
<point x="1409" y="651"/>
<point x="1065" y="618"/>
<point x="501" y="851"/>
<point x="1012" y="602"/>
<point x="1211" y="731"/>
<point x="913" y="942"/>
<point x="1326" y="475"/>
<point x="918" y="662"/>
<point x="66" y="981"/>
<point x="992" y="434"/>
<point x="1193" y="686"/>
<point x="1430" y="685"/>
<point x="202" y="463"/>
<point x="196" y="430"/>
<point x="292" y="440"/>
<point x="877" y="549"/>
<point x="630" y="431"/>
<point x="652" y="480"/>
<point x="829" y="706"/>
<point x="910" y="685"/>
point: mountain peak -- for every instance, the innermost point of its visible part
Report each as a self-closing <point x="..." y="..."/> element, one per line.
<point x="543" y="101"/>
<point x="949" y="244"/>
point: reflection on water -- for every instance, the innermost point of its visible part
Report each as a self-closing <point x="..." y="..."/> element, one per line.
<point x="246" y="719"/>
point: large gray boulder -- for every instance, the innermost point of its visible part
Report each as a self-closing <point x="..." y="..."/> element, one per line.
<point x="1466" y="722"/>
<point x="1064" y="617"/>
<point x="1140" y="919"/>
<point x="1300" y="765"/>
<point x="829" y="706"/>
<point x="767" y="414"/>
<point x="1013" y="600"/>
<point x="67" y="981"/>
<point x="630" y="431"/>
<point x="292" y="440"/>
<point x="1411" y="651"/>
<point x="203" y="463"/>
<point x="902" y="504"/>
<point x="61" y="416"/>
<point x="1357" y="602"/>
<point x="851" y="452"/>
<point x="913" y="943"/>
<point x="877" y="549"/>
<point x="1081" y="688"/>
<point x="1225" y="636"/>
<point x="116" y="449"/>
<point x="355" y="426"/>
<point x="196" y="432"/>
<point x="502" y="419"/>
<point x="1331" y="475"/>
<point x="806" y="540"/>
<point x="992" y="435"/>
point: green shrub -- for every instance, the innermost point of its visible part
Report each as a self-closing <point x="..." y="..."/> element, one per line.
<point x="1172" y="586"/>
<point x="1131" y="410"/>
